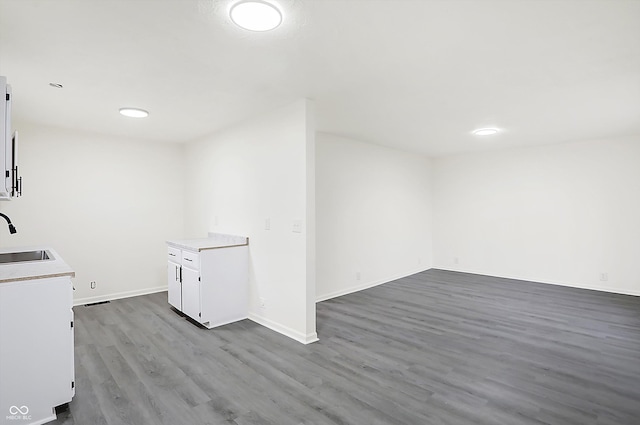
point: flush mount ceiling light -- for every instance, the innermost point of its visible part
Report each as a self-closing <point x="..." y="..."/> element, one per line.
<point x="134" y="112"/>
<point x="255" y="15"/>
<point x="485" y="131"/>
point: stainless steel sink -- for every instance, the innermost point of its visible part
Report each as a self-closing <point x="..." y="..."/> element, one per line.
<point x="21" y="257"/>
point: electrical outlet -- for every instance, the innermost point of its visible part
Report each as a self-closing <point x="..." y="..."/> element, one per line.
<point x="93" y="284"/>
<point x="297" y="226"/>
<point x="358" y="276"/>
<point x="455" y="260"/>
<point x="604" y="276"/>
<point x="263" y="303"/>
<point x="267" y="224"/>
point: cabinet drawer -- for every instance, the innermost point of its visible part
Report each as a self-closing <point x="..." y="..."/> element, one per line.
<point x="191" y="260"/>
<point x="174" y="254"/>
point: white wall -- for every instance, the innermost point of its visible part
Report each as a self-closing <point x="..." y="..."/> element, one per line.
<point x="558" y="214"/>
<point x="105" y="204"/>
<point x="258" y="170"/>
<point x="373" y="215"/>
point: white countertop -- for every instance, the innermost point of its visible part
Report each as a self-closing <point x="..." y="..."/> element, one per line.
<point x="27" y="270"/>
<point x="214" y="241"/>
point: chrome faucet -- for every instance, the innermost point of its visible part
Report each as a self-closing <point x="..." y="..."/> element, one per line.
<point x="12" y="228"/>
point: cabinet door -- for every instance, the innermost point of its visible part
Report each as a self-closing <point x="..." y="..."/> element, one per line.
<point x="175" y="286"/>
<point x="191" y="293"/>
<point x="72" y="361"/>
<point x="36" y="352"/>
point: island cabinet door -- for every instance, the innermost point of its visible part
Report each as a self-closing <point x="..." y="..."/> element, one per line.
<point x="175" y="286"/>
<point x="191" y="293"/>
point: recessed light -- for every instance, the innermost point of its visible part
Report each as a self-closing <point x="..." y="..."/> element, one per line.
<point x="485" y="131"/>
<point x="255" y="15"/>
<point x="56" y="85"/>
<point x="134" y="112"/>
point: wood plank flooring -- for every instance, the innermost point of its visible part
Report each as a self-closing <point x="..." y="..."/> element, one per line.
<point x="437" y="347"/>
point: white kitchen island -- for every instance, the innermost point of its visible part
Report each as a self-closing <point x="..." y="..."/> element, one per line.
<point x="36" y="336"/>
<point x="208" y="278"/>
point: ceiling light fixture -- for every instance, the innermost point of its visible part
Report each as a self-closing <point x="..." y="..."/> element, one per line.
<point x="134" y="112"/>
<point x="255" y="15"/>
<point x="56" y="85"/>
<point x="485" y="131"/>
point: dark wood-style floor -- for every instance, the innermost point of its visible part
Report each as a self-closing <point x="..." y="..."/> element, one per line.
<point x="434" y="348"/>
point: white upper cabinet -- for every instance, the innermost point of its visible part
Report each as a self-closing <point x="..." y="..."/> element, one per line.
<point x="10" y="180"/>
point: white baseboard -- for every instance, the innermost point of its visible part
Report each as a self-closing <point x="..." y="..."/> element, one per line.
<point x="45" y="420"/>
<point x="366" y="285"/>
<point x="548" y="282"/>
<point x="592" y="288"/>
<point x="284" y="330"/>
<point x="118" y="295"/>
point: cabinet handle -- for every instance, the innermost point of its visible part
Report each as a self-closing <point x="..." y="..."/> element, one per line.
<point x="188" y="259"/>
<point x="176" y="273"/>
<point x="14" y="181"/>
<point x="172" y="255"/>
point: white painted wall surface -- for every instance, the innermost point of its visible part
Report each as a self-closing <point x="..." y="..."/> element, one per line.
<point x="559" y="214"/>
<point x="373" y="207"/>
<point x="106" y="204"/>
<point x="238" y="179"/>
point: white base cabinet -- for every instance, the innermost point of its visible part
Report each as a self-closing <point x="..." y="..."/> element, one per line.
<point x="36" y="349"/>
<point x="211" y="286"/>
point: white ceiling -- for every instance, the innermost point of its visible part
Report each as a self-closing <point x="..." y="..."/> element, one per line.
<point x="415" y="74"/>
